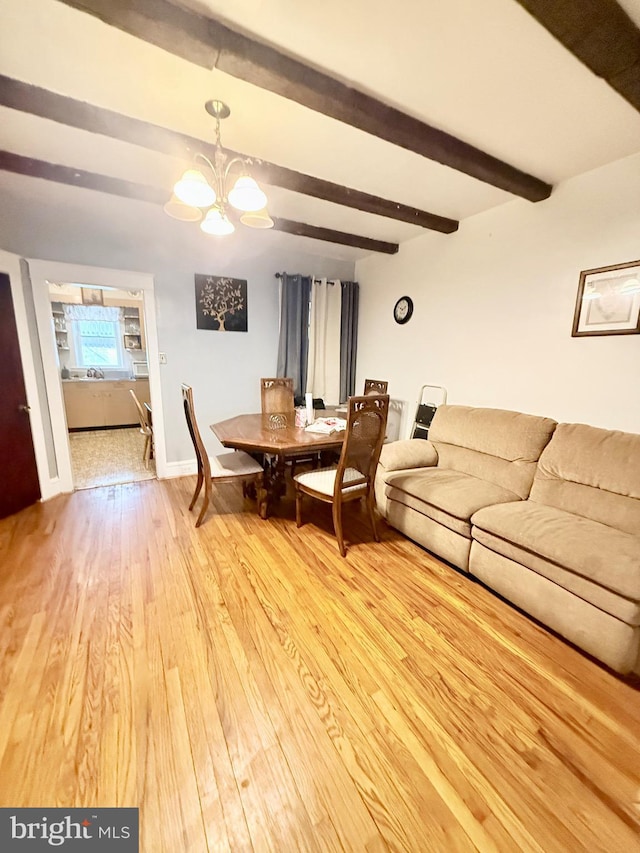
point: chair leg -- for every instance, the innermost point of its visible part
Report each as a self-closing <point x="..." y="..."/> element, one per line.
<point x="372" y="515"/>
<point x="199" y="482"/>
<point x="205" y="503"/>
<point x="337" y="526"/>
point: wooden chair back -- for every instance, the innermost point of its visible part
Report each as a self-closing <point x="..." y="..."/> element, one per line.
<point x="276" y="399"/>
<point x="145" y="426"/>
<point x="375" y="386"/>
<point x="202" y="457"/>
<point x="364" y="437"/>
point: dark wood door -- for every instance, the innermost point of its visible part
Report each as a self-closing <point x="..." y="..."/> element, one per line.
<point x="20" y="485"/>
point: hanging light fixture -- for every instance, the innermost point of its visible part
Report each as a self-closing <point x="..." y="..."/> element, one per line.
<point x="196" y="191"/>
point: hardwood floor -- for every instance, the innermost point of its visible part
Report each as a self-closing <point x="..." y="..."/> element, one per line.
<point x="249" y="689"/>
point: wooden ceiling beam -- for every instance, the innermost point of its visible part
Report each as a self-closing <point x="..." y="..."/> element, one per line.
<point x="600" y="34"/>
<point x="59" y="108"/>
<point x="331" y="236"/>
<point x="208" y="42"/>
<point x="33" y="168"/>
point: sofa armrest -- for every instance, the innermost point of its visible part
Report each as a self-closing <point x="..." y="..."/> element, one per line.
<point x="409" y="453"/>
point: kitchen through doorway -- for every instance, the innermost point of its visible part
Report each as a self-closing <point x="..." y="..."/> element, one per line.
<point x="108" y="457"/>
<point x="102" y="363"/>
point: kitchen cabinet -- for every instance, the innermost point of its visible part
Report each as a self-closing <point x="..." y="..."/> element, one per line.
<point x="60" y="325"/>
<point x="132" y="329"/>
<point x="102" y="403"/>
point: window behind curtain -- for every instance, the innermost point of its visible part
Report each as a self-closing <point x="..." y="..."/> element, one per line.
<point x="97" y="343"/>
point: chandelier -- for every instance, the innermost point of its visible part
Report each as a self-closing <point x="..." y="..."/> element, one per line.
<point x="218" y="191"/>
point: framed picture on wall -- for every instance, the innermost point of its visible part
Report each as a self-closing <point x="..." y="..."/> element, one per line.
<point x="221" y="303"/>
<point x="608" y="301"/>
<point x="92" y="296"/>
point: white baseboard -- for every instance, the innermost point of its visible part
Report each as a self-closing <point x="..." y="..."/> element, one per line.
<point x="179" y="469"/>
<point x="186" y="468"/>
<point x="52" y="487"/>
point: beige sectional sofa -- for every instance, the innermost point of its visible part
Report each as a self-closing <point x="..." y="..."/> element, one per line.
<point x="546" y="514"/>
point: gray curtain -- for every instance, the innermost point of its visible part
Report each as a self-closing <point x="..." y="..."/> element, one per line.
<point x="294" y="330"/>
<point x="348" y="338"/>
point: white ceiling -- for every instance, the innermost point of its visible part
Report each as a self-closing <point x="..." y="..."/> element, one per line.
<point x="485" y="72"/>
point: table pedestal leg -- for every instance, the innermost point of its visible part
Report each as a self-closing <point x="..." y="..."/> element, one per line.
<point x="274" y="483"/>
<point x="278" y="483"/>
<point x="259" y="494"/>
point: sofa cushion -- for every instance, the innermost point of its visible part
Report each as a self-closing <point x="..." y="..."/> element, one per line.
<point x="435" y="537"/>
<point x="395" y="498"/>
<point x="496" y="445"/>
<point x="410" y="453"/>
<point x="447" y="496"/>
<point x="609" y="639"/>
<point x="594" y="473"/>
<point x="610" y="602"/>
<point x="602" y="554"/>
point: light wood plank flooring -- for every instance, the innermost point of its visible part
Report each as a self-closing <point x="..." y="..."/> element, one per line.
<point x="248" y="689"/>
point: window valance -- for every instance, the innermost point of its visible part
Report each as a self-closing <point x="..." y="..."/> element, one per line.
<point x="93" y="312"/>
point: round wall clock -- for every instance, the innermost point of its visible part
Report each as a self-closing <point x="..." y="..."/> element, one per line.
<point x="403" y="309"/>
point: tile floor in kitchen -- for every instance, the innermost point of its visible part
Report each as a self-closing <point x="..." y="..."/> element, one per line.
<point x="106" y="457"/>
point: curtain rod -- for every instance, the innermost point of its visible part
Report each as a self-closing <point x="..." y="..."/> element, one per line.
<point x="315" y="280"/>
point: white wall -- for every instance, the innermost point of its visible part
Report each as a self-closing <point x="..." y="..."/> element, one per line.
<point x="46" y="221"/>
<point x="494" y="307"/>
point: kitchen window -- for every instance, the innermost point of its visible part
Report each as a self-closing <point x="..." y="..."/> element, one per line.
<point x="95" y="336"/>
<point x="97" y="343"/>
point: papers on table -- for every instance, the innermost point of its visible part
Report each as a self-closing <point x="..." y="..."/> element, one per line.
<point x="327" y="425"/>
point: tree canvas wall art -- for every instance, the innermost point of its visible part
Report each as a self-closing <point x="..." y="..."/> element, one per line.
<point x="221" y="303"/>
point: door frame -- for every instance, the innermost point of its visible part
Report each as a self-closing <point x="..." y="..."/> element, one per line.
<point x="43" y="272"/>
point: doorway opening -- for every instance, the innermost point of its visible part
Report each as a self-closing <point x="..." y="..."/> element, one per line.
<point x="104" y="377"/>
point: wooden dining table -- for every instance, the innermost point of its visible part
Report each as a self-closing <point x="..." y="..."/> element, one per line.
<point x="265" y="435"/>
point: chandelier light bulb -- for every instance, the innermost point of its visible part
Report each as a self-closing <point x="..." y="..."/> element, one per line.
<point x="193" y="189"/>
<point x="217" y="223"/>
<point x="246" y="195"/>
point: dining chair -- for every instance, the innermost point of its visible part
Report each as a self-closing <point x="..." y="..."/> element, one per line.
<point x="375" y="386"/>
<point x="145" y="429"/>
<point x="278" y="404"/>
<point x="276" y="399"/>
<point x="353" y="477"/>
<point x="224" y="468"/>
